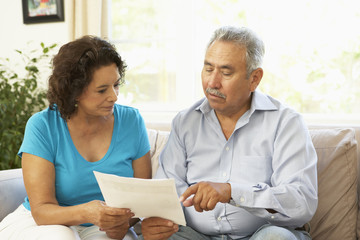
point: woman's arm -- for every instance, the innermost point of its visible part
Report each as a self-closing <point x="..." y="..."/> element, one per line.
<point x="142" y="169"/>
<point x="142" y="166"/>
<point x="39" y="179"/>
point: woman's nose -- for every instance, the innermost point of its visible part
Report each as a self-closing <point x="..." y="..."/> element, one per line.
<point x="113" y="95"/>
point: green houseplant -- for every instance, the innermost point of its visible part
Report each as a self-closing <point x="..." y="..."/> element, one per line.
<point x="20" y="97"/>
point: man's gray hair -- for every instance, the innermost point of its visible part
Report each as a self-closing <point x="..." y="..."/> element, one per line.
<point x="244" y="37"/>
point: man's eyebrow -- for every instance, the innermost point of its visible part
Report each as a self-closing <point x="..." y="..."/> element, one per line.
<point x="229" y="67"/>
<point x="207" y="63"/>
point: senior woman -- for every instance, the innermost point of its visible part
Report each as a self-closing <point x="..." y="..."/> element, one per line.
<point x="82" y="131"/>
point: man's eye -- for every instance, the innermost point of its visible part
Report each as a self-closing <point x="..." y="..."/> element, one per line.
<point x="102" y="91"/>
<point x="226" y="74"/>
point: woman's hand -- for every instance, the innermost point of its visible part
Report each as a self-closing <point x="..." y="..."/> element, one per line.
<point x="107" y="218"/>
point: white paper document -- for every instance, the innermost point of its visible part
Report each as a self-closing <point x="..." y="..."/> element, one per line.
<point x="144" y="197"/>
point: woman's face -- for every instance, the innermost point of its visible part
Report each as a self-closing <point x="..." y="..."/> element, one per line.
<point x="99" y="97"/>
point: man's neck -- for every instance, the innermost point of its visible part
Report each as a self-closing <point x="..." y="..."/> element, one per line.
<point x="228" y="120"/>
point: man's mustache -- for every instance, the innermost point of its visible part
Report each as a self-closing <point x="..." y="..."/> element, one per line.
<point x="215" y="92"/>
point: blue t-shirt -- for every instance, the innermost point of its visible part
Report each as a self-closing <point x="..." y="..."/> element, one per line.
<point x="47" y="136"/>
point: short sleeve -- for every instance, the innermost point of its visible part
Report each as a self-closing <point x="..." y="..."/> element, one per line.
<point x="144" y="144"/>
<point x="37" y="138"/>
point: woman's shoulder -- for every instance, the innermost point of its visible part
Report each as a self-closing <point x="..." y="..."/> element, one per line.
<point x="125" y="110"/>
<point x="45" y="117"/>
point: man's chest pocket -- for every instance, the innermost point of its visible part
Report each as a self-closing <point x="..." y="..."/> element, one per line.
<point x="251" y="169"/>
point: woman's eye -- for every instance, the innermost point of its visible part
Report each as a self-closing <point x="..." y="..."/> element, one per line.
<point x="102" y="91"/>
<point x="119" y="83"/>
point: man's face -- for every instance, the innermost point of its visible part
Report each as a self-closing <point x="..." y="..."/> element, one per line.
<point x="224" y="79"/>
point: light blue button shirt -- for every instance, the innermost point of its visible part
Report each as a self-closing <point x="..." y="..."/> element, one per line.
<point x="269" y="160"/>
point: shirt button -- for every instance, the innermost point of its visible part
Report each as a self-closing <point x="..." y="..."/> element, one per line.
<point x="219" y="218"/>
<point x="224" y="174"/>
<point x="227" y="148"/>
<point x="242" y="199"/>
<point x="272" y="217"/>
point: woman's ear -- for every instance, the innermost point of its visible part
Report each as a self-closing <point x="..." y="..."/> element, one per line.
<point x="255" y="78"/>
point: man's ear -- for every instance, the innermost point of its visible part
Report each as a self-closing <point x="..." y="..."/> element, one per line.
<point x="255" y="78"/>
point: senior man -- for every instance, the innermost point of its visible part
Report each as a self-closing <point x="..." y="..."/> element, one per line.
<point x="244" y="163"/>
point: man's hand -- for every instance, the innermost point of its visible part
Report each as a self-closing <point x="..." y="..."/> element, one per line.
<point x="206" y="195"/>
<point x="156" y="228"/>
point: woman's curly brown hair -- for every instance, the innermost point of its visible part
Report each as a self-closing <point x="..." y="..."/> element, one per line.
<point x="73" y="69"/>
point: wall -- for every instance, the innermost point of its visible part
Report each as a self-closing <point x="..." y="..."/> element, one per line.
<point x="14" y="34"/>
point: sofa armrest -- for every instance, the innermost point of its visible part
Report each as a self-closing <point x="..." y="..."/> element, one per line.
<point x="12" y="191"/>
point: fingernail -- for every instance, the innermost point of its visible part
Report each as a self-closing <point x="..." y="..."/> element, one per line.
<point x="170" y="224"/>
<point x="181" y="199"/>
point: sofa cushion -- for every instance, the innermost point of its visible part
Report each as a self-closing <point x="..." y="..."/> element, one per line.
<point x="12" y="191"/>
<point x="336" y="216"/>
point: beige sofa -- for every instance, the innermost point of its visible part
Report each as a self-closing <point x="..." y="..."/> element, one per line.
<point x="338" y="154"/>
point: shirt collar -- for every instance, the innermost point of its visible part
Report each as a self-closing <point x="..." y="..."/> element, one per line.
<point x="259" y="101"/>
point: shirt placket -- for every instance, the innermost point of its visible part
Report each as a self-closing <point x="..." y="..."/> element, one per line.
<point x="224" y="176"/>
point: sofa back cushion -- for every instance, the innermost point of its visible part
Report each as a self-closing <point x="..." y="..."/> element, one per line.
<point x="336" y="216"/>
<point x="158" y="141"/>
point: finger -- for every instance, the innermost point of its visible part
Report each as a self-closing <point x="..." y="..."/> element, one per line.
<point x="117" y="211"/>
<point x="211" y="204"/>
<point x="198" y="200"/>
<point x="202" y="198"/>
<point x="196" y="203"/>
<point x="188" y="202"/>
<point x="107" y="222"/>
<point x="156" y="221"/>
<point x="159" y="232"/>
<point x="188" y="192"/>
<point x="155" y="225"/>
<point x="114" y="210"/>
<point x="116" y="227"/>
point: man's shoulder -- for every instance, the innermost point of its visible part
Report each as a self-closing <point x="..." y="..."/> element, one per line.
<point x="193" y="110"/>
<point x="267" y="102"/>
<point x="189" y="117"/>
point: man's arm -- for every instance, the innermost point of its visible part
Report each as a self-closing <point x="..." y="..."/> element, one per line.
<point x="290" y="199"/>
